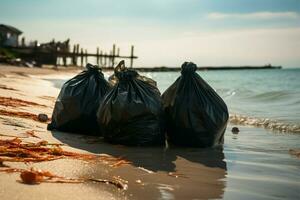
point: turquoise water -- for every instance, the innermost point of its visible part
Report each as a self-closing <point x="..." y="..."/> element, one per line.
<point x="263" y="94"/>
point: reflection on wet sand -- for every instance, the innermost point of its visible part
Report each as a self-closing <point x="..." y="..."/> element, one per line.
<point x="160" y="173"/>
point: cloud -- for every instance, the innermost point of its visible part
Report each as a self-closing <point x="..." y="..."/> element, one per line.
<point x="255" y="15"/>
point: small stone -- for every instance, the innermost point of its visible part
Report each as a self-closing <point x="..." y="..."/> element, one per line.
<point x="235" y="130"/>
<point x="43" y="117"/>
<point x="138" y="181"/>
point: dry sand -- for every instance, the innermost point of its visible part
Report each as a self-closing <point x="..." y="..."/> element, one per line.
<point x="155" y="173"/>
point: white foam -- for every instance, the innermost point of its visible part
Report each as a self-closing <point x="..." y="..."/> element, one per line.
<point x="265" y="123"/>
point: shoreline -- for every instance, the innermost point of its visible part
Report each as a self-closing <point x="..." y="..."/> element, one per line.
<point x="204" y="68"/>
<point x="153" y="172"/>
<point x="73" y="69"/>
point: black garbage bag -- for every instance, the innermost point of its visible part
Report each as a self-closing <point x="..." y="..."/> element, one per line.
<point x="78" y="101"/>
<point x="196" y="115"/>
<point x="131" y="113"/>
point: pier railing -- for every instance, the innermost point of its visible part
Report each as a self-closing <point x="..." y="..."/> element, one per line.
<point x="60" y="53"/>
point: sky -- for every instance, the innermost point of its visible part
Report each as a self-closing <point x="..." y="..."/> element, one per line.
<point x="168" y="32"/>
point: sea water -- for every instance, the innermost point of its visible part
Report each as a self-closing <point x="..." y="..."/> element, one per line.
<point x="258" y="162"/>
<point x="272" y="94"/>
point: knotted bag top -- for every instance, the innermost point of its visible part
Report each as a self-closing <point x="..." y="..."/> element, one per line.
<point x="188" y="68"/>
<point x="123" y="73"/>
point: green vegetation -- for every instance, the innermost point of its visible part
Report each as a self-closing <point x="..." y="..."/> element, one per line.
<point x="8" y="53"/>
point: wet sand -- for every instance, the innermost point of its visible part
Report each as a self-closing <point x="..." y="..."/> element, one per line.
<point x="255" y="164"/>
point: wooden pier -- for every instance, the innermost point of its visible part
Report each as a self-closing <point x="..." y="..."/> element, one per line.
<point x="102" y="58"/>
<point x="60" y="53"/>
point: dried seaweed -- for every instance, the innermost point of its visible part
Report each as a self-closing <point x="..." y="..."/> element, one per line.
<point x="25" y="115"/>
<point x="36" y="176"/>
<point x="15" y="150"/>
<point x="14" y="102"/>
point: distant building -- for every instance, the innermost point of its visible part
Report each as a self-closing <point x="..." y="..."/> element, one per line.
<point x="9" y="36"/>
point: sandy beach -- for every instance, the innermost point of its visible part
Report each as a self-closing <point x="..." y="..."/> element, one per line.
<point x="255" y="164"/>
<point x="153" y="173"/>
<point x="211" y="86"/>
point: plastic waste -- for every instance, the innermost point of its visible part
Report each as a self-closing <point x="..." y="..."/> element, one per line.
<point x="131" y="113"/>
<point x="78" y="101"/>
<point x="196" y="115"/>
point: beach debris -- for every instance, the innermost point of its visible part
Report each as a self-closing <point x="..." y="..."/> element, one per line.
<point x="25" y="115"/>
<point x="235" y="130"/>
<point x="43" y="117"/>
<point x="14" y="102"/>
<point x="131" y="113"/>
<point x="196" y="116"/>
<point x="77" y="103"/>
<point x="36" y="176"/>
<point x="16" y="150"/>
<point x="177" y="175"/>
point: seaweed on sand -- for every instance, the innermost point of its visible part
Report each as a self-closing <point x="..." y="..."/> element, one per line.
<point x="25" y="115"/>
<point x="37" y="176"/>
<point x="16" y="150"/>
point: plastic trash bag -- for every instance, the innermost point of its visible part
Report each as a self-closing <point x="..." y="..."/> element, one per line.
<point x="196" y="115"/>
<point x="131" y="113"/>
<point x="78" y="101"/>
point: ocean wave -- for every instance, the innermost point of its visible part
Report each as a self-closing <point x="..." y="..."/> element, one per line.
<point x="264" y="123"/>
<point x="272" y="95"/>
